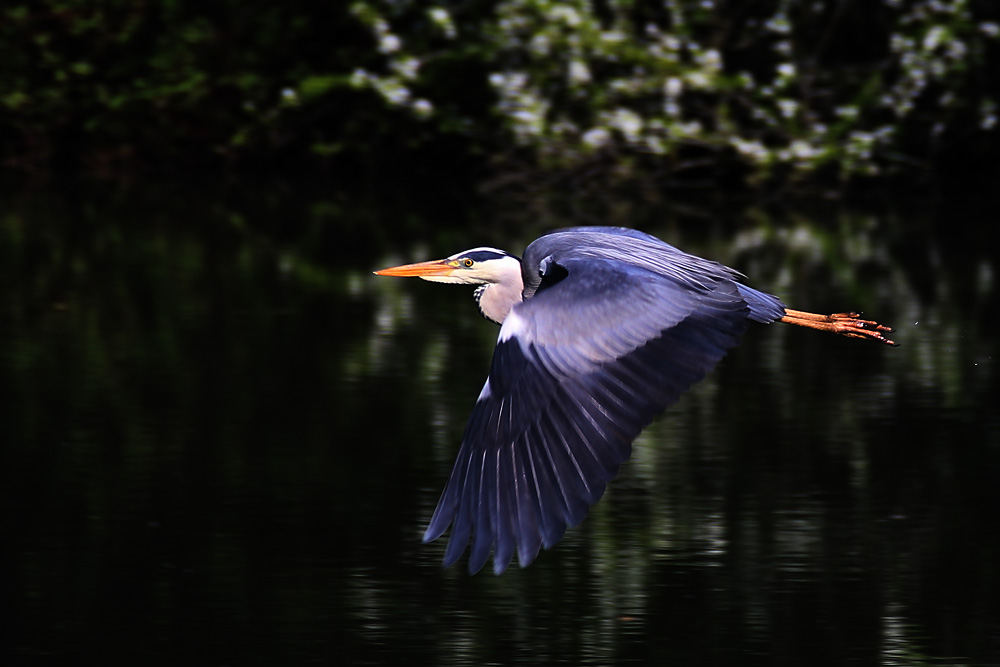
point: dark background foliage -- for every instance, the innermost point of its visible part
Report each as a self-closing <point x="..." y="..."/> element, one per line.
<point x="735" y="93"/>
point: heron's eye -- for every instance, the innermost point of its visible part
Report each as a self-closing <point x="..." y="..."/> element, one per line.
<point x="467" y="262"/>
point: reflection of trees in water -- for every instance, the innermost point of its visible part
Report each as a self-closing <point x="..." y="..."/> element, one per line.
<point x="225" y="443"/>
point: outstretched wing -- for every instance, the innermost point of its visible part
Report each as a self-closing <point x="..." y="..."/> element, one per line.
<point x="578" y="371"/>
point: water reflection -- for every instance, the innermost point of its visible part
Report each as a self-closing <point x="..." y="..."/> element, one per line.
<point x="220" y="445"/>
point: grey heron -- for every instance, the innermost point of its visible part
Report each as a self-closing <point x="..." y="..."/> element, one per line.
<point x="601" y="329"/>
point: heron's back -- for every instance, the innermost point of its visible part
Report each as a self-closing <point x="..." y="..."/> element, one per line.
<point x="647" y="252"/>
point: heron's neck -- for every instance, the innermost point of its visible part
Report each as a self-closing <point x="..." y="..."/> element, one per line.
<point x="496" y="299"/>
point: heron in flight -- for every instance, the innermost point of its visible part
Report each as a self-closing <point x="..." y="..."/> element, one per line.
<point x="601" y="328"/>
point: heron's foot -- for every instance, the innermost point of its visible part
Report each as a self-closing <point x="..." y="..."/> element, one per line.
<point x="845" y="324"/>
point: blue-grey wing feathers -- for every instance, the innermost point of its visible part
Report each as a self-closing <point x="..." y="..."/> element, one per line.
<point x="580" y="368"/>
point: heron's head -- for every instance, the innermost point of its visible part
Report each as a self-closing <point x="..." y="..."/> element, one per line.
<point x="479" y="266"/>
<point x="497" y="273"/>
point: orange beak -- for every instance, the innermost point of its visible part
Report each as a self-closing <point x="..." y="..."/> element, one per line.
<point x="437" y="267"/>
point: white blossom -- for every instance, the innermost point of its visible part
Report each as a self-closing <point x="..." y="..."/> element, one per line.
<point x="596" y="137"/>
<point x="442" y="19"/>
<point x="579" y="73"/>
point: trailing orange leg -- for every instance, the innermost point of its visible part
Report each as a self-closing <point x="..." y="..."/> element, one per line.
<point x="845" y="324"/>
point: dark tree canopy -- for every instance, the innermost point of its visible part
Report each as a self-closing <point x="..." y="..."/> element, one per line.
<point x="759" y="90"/>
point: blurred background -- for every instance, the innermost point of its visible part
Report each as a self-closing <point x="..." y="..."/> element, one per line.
<point x="221" y="436"/>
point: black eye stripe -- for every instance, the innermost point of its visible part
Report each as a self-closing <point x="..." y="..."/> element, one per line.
<point x="483" y="255"/>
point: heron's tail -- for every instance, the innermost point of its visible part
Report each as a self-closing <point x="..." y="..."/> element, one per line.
<point x="764" y="307"/>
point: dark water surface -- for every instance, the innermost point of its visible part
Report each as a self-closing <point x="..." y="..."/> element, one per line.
<point x="221" y="438"/>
